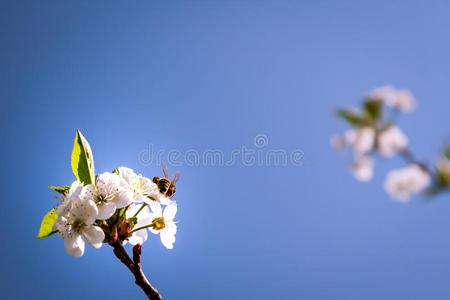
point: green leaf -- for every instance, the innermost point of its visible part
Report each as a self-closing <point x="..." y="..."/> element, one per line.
<point x="353" y="118"/>
<point x="373" y="109"/>
<point x="47" y="224"/>
<point x="60" y="189"/>
<point x="82" y="160"/>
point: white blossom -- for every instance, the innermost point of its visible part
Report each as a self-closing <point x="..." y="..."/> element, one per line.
<point x="362" y="139"/>
<point x="109" y="193"/>
<point x="78" y="224"/>
<point x="156" y="221"/>
<point x="144" y="190"/>
<point x="391" y="140"/>
<point x="164" y="223"/>
<point x="362" y="168"/>
<point x="401" y="184"/>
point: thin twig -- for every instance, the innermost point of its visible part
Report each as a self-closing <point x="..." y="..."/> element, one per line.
<point x="136" y="269"/>
<point x="409" y="157"/>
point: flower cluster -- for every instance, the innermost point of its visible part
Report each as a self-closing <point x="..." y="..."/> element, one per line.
<point x="112" y="207"/>
<point x="373" y="132"/>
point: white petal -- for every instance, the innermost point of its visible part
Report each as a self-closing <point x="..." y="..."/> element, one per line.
<point x="169" y="212"/>
<point x="156" y="208"/>
<point x="133" y="209"/>
<point x="138" y="237"/>
<point x="105" y="210"/>
<point x="74" y="245"/>
<point x="123" y="198"/>
<point x="89" y="192"/>
<point x="84" y="210"/>
<point x="64" y="208"/>
<point x="75" y="190"/>
<point x="93" y="235"/>
<point x="164" y="200"/>
<point x="154" y="231"/>
<point x="171" y="227"/>
<point x="167" y="238"/>
<point x="63" y="227"/>
<point x="127" y="175"/>
<point x="141" y="198"/>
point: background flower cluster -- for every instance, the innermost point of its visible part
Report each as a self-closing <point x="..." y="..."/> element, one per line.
<point x="373" y="133"/>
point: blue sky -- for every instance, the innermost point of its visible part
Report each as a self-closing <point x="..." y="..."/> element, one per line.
<point x="202" y="75"/>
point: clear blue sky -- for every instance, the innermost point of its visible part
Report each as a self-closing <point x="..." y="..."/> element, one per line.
<point x="199" y="75"/>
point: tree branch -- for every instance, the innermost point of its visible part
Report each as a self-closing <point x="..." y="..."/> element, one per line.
<point x="409" y="157"/>
<point x="136" y="269"/>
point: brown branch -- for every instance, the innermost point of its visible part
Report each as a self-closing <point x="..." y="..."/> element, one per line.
<point x="136" y="269"/>
<point x="409" y="157"/>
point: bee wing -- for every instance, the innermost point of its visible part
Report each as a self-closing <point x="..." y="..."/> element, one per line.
<point x="175" y="177"/>
<point x="164" y="168"/>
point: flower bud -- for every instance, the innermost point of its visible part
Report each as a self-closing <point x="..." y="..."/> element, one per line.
<point x="137" y="253"/>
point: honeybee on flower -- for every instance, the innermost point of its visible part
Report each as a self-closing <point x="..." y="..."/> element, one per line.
<point x="166" y="186"/>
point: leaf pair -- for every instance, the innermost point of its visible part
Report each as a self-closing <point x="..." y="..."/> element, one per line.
<point x="372" y="112"/>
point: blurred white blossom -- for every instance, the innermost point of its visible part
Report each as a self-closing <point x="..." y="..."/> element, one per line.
<point x="402" y="100"/>
<point x="401" y="184"/>
<point x="385" y="94"/>
<point x="361" y="139"/>
<point x="391" y="140"/>
<point x="362" y="168"/>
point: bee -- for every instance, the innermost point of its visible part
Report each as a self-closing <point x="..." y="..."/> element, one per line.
<point x="166" y="186"/>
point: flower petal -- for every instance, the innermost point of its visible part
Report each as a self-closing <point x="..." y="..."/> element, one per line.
<point x="164" y="200"/>
<point x="123" y="197"/>
<point x="64" y="208"/>
<point x="75" y="190"/>
<point x="167" y="238"/>
<point x="138" y="237"/>
<point x="93" y="235"/>
<point x="133" y="209"/>
<point x="156" y="208"/>
<point x="170" y="211"/>
<point x="84" y="210"/>
<point x="88" y="192"/>
<point x="105" y="210"/>
<point x="171" y="227"/>
<point x="74" y="245"/>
